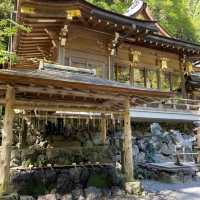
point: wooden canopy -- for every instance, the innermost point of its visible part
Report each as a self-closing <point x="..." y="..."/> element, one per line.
<point x="52" y="89"/>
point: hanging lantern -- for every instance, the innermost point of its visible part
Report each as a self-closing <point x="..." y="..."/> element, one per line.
<point x="27" y="10"/>
<point x="134" y="56"/>
<point x="73" y="14"/>
<point x="189" y="67"/>
<point x="164" y="63"/>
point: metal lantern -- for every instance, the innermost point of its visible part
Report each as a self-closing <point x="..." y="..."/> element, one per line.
<point x="164" y="63"/>
<point x="27" y="10"/>
<point x="189" y="67"/>
<point x="134" y="56"/>
<point x="73" y="13"/>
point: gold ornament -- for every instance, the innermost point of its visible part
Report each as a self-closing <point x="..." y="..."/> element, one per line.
<point x="73" y="13"/>
<point x="134" y="56"/>
<point x="27" y="10"/>
<point x="164" y="63"/>
<point x="189" y="67"/>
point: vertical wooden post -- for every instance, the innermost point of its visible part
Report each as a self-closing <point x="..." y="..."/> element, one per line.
<point x="127" y="145"/>
<point x="103" y="129"/>
<point x="7" y="138"/>
<point x="183" y="89"/>
<point x="198" y="144"/>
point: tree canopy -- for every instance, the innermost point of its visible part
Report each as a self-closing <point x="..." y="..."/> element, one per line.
<point x="181" y="18"/>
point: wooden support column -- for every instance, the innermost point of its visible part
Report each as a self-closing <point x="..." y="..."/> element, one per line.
<point x="103" y="129"/>
<point x="127" y="144"/>
<point x="183" y="89"/>
<point x="7" y="139"/>
<point x="198" y="142"/>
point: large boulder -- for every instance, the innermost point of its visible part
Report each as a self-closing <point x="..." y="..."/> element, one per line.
<point x="77" y="194"/>
<point x="165" y="150"/>
<point x="134" y="187"/>
<point x="156" y="129"/>
<point x="141" y="157"/>
<point x="66" y="197"/>
<point x="93" y="193"/>
<point x="50" y="197"/>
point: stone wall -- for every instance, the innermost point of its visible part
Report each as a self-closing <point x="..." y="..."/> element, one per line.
<point x="161" y="145"/>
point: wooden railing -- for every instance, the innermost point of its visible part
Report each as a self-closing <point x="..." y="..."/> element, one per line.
<point x="173" y="104"/>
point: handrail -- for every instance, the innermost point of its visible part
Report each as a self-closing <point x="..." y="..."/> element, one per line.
<point x="174" y="104"/>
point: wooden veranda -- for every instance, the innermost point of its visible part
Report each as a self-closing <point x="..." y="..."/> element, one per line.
<point x="56" y="89"/>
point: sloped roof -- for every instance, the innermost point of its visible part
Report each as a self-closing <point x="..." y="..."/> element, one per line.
<point x="139" y="7"/>
<point x="63" y="78"/>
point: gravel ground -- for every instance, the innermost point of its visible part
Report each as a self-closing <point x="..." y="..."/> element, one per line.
<point x="165" y="191"/>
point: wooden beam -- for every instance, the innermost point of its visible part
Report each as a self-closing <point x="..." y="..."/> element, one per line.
<point x="103" y="129"/>
<point x="7" y="139"/>
<point x="127" y="144"/>
<point x="67" y="92"/>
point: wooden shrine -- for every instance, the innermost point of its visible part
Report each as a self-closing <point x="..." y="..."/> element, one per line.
<point x="82" y="58"/>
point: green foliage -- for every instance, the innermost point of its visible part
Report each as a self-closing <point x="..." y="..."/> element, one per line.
<point x="180" y="18"/>
<point x="119" y="6"/>
<point x="175" y="16"/>
<point x="8" y="28"/>
<point x="99" y="181"/>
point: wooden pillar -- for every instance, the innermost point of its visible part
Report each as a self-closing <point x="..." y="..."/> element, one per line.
<point x="127" y="144"/>
<point x="198" y="143"/>
<point x="183" y="89"/>
<point x="7" y="139"/>
<point x="103" y="129"/>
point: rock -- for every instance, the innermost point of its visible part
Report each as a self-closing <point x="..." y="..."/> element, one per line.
<point x="66" y="197"/>
<point x="135" y="152"/>
<point x="141" y="145"/>
<point x="27" y="198"/>
<point x="77" y="194"/>
<point x="134" y="187"/>
<point x="64" y="182"/>
<point x="75" y="173"/>
<point x="165" y="150"/>
<point x="141" y="157"/>
<point x="159" y="158"/>
<point x="92" y="193"/>
<point x="50" y="197"/>
<point x="15" y="162"/>
<point x="156" y="129"/>
<point x="117" y="191"/>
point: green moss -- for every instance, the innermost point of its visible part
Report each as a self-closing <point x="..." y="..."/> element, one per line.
<point x="34" y="189"/>
<point x="99" y="181"/>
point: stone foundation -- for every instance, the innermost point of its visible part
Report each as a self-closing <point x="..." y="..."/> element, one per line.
<point x="43" y="181"/>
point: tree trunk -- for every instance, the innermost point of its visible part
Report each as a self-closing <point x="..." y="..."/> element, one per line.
<point x="7" y="138"/>
<point x="127" y="145"/>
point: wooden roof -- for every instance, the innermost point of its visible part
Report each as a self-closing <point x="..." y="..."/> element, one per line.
<point x="140" y="9"/>
<point x="58" y="89"/>
<point x="47" y="18"/>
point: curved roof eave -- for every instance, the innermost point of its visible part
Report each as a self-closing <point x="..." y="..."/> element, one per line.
<point x="100" y="12"/>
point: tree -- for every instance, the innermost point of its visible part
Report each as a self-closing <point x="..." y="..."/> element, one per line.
<point x="175" y="16"/>
<point x="181" y="18"/>
<point x="119" y="6"/>
<point x="8" y="28"/>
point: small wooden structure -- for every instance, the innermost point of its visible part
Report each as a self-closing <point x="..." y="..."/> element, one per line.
<point x="56" y="89"/>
